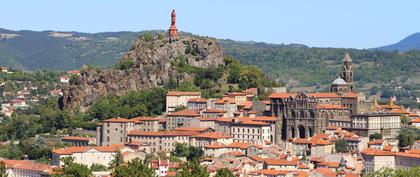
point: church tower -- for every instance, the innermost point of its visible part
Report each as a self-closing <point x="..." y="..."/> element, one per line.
<point x="347" y="73"/>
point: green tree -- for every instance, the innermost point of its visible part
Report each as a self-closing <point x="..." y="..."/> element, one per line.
<point x="341" y="146"/>
<point x="194" y="153"/>
<point x="181" y="150"/>
<point x="71" y="169"/>
<point x="117" y="161"/>
<point x="134" y="168"/>
<point x="407" y="136"/>
<point x="392" y="172"/>
<point x="192" y="169"/>
<point x="3" y="170"/>
<point x="224" y="172"/>
<point x="375" y="136"/>
<point x="405" y="119"/>
<point x="98" y="167"/>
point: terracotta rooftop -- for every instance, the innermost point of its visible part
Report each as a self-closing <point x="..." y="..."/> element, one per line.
<point x="215" y="146"/>
<point x="29" y="165"/>
<point x="118" y="120"/>
<point x="175" y="93"/>
<point x="165" y="133"/>
<point x="239" y="145"/>
<point x="212" y="135"/>
<point x="197" y="100"/>
<point x="327" y="172"/>
<point x="251" y="90"/>
<point x="272" y="172"/>
<point x="141" y="119"/>
<point x="377" y="152"/>
<point x="376" y="142"/>
<point x="294" y="161"/>
<point x="74" y="149"/>
<point x="281" y="95"/>
<point x="185" y="113"/>
<point x="196" y="129"/>
<point x="214" y="111"/>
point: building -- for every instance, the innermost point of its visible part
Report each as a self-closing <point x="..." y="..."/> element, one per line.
<point x="197" y="103"/>
<point x="304" y="114"/>
<point x="227" y="104"/>
<point x="205" y="139"/>
<point x="212" y="113"/>
<point x="78" y="141"/>
<point x="113" y="131"/>
<point x="183" y="118"/>
<point x="64" y="79"/>
<point x="250" y="131"/>
<point x="102" y="155"/>
<point x="161" y="141"/>
<point x="4" y="69"/>
<point x="387" y="124"/>
<point x="152" y="124"/>
<point x="178" y="99"/>
<point x="27" y="168"/>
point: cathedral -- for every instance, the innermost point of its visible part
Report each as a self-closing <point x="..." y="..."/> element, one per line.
<point x="302" y="114"/>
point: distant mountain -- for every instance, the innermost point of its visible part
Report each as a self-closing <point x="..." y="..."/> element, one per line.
<point x="32" y="50"/>
<point x="411" y="42"/>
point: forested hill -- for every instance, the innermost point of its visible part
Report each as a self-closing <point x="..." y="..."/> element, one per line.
<point x="295" y="64"/>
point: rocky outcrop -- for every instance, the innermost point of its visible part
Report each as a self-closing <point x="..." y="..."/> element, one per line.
<point x="152" y="65"/>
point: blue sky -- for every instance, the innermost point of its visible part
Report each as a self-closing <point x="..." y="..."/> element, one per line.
<point x="321" y="23"/>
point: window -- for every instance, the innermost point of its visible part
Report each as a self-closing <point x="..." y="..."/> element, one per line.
<point x="107" y="138"/>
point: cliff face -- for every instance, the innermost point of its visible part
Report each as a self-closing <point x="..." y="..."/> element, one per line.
<point x="152" y="65"/>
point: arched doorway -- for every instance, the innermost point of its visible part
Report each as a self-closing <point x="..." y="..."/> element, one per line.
<point x="293" y="132"/>
<point x="301" y="131"/>
<point x="311" y="132"/>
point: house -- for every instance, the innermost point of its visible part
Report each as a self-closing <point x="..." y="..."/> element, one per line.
<point x="376" y="144"/>
<point x="161" y="141"/>
<point x="211" y="113"/>
<point x="178" y="99"/>
<point x="289" y="163"/>
<point x="197" y="103"/>
<point x="74" y="72"/>
<point x="205" y="139"/>
<point x="164" y="168"/>
<point x="113" y="131"/>
<point x="78" y="141"/>
<point x="183" y="118"/>
<point x="23" y="168"/>
<point x="64" y="79"/>
<point x="102" y="155"/>
<point x="4" y="69"/>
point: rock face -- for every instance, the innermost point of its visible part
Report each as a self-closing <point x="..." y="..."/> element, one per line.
<point x="153" y="66"/>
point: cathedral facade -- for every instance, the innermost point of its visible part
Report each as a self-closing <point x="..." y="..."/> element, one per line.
<point x="301" y="114"/>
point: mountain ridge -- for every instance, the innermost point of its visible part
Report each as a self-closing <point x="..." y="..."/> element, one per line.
<point x="411" y="42"/>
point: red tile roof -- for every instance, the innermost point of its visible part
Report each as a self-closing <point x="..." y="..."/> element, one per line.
<point x="376" y="142"/>
<point x="118" y="120"/>
<point x="377" y="152"/>
<point x="175" y="93"/>
<point x="214" y="111"/>
<point x="272" y="172"/>
<point x="215" y="146"/>
<point x="239" y="145"/>
<point x="327" y="172"/>
<point x="294" y="161"/>
<point x="74" y="149"/>
<point x="281" y="95"/>
<point x="29" y="165"/>
<point x="212" y="135"/>
<point x="196" y="129"/>
<point x="185" y="113"/>
<point x="165" y="133"/>
<point x="197" y="100"/>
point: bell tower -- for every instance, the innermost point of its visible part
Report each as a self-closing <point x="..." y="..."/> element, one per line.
<point x="347" y="72"/>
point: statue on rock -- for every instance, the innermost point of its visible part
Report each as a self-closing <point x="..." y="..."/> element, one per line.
<point x="173" y="32"/>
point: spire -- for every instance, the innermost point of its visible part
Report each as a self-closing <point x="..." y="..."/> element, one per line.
<point x="173" y="31"/>
<point x="347" y="57"/>
<point x="342" y="162"/>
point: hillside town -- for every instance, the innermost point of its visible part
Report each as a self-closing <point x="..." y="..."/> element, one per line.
<point x="340" y="133"/>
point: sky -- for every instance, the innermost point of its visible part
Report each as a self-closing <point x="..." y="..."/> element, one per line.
<point x="317" y="23"/>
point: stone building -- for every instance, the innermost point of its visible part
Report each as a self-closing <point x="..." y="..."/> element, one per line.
<point x="387" y="124"/>
<point x="183" y="118"/>
<point x="178" y="99"/>
<point x="161" y="141"/>
<point x="304" y="114"/>
<point x="113" y="131"/>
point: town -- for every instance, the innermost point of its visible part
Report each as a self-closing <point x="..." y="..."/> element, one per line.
<point x="337" y="133"/>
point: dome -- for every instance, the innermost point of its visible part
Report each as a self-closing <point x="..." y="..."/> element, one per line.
<point x="339" y="81"/>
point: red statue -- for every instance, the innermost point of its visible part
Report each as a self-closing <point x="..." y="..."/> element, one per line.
<point x="172" y="30"/>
